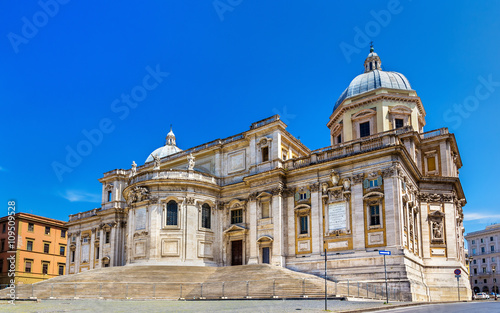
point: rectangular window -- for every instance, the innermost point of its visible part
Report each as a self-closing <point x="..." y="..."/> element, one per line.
<point x="473" y="251"/>
<point x="73" y="256"/>
<point x="46" y="247"/>
<point x="493" y="259"/>
<point x="97" y="253"/>
<point x="29" y="245"/>
<point x="483" y="250"/>
<point x="474" y="262"/>
<point x="45" y="268"/>
<point x="482" y="240"/>
<point x="374" y="215"/>
<point x="400" y="123"/>
<point x="475" y="281"/>
<point x="172" y="209"/>
<point x="107" y="239"/>
<point x="265" y="209"/>
<point x="431" y="164"/>
<point x="373" y="183"/>
<point x="27" y="267"/>
<point x="110" y="196"/>
<point x="206" y="216"/>
<point x="473" y="242"/>
<point x="61" y="270"/>
<point x="4" y="227"/>
<point x="339" y="139"/>
<point x="484" y="270"/>
<point x="31" y="227"/>
<point x="475" y="271"/>
<point x="1" y="265"/>
<point x="304" y="225"/>
<point x="485" y="281"/>
<point x="47" y="230"/>
<point x="265" y="154"/>
<point x="303" y="196"/>
<point x="85" y="239"/>
<point x="284" y="153"/>
<point x="484" y="261"/>
<point x="63" y="233"/>
<point x="62" y="250"/>
<point x="492" y="248"/>
<point x="2" y="245"/>
<point x="491" y="238"/>
<point x="236" y="216"/>
<point x="364" y="129"/>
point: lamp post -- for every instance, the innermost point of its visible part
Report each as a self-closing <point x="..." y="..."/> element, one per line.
<point x="494" y="283"/>
<point x="470" y="276"/>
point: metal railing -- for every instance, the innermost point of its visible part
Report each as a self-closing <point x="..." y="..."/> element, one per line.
<point x="268" y="288"/>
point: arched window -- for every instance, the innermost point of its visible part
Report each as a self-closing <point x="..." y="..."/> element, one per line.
<point x="205" y="216"/>
<point x="172" y="213"/>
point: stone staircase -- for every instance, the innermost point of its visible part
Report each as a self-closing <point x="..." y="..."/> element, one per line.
<point x="178" y="282"/>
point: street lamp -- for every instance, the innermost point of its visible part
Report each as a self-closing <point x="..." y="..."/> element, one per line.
<point x="470" y="258"/>
<point x="494" y="283"/>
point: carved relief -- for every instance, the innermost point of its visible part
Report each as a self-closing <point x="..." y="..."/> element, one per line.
<point x="253" y="196"/>
<point x="191" y="162"/>
<point x="347" y="184"/>
<point x="138" y="194"/>
<point x="133" y="170"/>
<point x="334" y="177"/>
<point x="314" y="187"/>
<point x="358" y="178"/>
<point x="156" y="160"/>
<point x="190" y="200"/>
<point x="390" y="171"/>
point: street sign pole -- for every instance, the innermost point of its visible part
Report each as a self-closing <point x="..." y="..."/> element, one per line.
<point x="385" y="270"/>
<point x="384" y="253"/>
<point x="458" y="286"/>
<point x="326" y="296"/>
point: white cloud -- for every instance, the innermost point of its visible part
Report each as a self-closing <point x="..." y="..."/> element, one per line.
<point x="481" y="216"/>
<point x="80" y="196"/>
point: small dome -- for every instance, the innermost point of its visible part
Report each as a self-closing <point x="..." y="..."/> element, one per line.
<point x="168" y="149"/>
<point x="373" y="78"/>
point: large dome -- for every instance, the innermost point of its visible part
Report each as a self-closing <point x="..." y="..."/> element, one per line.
<point x="168" y="149"/>
<point x="373" y="78"/>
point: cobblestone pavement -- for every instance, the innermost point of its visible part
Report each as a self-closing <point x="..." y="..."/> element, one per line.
<point x="134" y="306"/>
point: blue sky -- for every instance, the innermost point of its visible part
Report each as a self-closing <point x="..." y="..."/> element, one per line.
<point x="211" y="68"/>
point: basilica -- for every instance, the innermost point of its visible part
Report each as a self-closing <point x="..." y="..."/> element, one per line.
<point x="262" y="196"/>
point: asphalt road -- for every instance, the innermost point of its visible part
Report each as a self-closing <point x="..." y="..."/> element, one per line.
<point x="485" y="306"/>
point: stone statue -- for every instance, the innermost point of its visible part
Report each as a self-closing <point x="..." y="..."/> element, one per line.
<point x="190" y="162"/>
<point x="347" y="184"/>
<point x="324" y="188"/>
<point x="437" y="230"/>
<point x="134" y="169"/>
<point x="156" y="159"/>
<point x="334" y="177"/>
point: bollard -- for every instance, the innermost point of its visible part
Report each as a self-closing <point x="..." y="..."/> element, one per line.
<point x="367" y="293"/>
<point x="358" y="289"/>
<point x="181" y="293"/>
<point x="247" y="290"/>
<point x="75" y="290"/>
<point x="223" y="290"/>
<point x="303" y="287"/>
<point x="274" y="288"/>
<point x="201" y="291"/>
<point x="100" y="290"/>
<point x="32" y="291"/>
<point x="52" y="290"/>
<point x="126" y="292"/>
<point x="348" y="287"/>
<point x="154" y="290"/>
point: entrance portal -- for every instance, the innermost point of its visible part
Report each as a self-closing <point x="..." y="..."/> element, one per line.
<point x="237" y="252"/>
<point x="265" y="255"/>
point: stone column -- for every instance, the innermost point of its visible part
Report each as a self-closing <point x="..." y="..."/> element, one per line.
<point x="278" y="243"/>
<point x="451" y="235"/>
<point x="112" y="244"/>
<point x="77" y="253"/>
<point x="252" y="235"/>
<point x="316" y="219"/>
<point x="154" y="218"/>
<point x="424" y="216"/>
<point x="92" y="248"/>
<point x="391" y="195"/>
<point x="291" y="224"/>
<point x="359" y="222"/>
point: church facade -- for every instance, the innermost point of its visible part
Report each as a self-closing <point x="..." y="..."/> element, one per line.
<point x="262" y="196"/>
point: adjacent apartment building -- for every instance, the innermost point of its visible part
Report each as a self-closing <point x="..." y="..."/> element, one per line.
<point x="484" y="251"/>
<point x="39" y="248"/>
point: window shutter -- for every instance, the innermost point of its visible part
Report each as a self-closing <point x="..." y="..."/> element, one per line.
<point x="379" y="181"/>
<point x="308" y="194"/>
<point x="297" y="196"/>
<point x="366" y="183"/>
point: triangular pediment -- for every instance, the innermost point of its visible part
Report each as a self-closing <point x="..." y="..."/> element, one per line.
<point x="234" y="229"/>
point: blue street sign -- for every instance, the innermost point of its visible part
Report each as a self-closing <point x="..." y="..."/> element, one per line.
<point x="384" y="252"/>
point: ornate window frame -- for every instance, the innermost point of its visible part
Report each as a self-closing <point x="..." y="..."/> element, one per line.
<point x="337" y="130"/>
<point x="399" y="112"/>
<point x="265" y="198"/>
<point x="165" y="202"/>
<point x="302" y="210"/>
<point x="366" y="115"/>
<point x="234" y="205"/>
<point x="264" y="142"/>
<point x="427" y="156"/>
<point x="371" y="199"/>
<point x="211" y="206"/>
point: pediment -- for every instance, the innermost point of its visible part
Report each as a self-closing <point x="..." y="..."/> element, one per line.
<point x="265" y="238"/>
<point x="235" y="229"/>
<point x="373" y="194"/>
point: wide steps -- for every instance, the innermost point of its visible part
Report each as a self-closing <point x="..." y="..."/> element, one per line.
<point x="175" y="282"/>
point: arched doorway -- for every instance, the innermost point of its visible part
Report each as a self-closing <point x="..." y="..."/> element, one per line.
<point x="477" y="290"/>
<point x="486" y="289"/>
